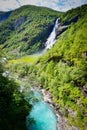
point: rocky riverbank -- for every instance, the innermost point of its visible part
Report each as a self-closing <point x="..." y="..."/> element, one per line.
<point x="63" y="123"/>
<point x="48" y="98"/>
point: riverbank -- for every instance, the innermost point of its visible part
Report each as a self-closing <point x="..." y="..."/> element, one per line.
<point x="62" y="123"/>
<point x="48" y="98"/>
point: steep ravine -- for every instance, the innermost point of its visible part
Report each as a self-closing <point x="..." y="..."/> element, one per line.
<point x="62" y="71"/>
<point x="27" y="84"/>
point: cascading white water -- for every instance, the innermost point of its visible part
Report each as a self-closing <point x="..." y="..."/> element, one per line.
<point x="52" y="38"/>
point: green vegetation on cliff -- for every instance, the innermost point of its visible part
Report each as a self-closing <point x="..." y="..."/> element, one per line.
<point x="64" y="72"/>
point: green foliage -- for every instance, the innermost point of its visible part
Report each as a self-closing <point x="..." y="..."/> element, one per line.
<point x="74" y="13"/>
<point x="13" y="107"/>
<point x="64" y="72"/>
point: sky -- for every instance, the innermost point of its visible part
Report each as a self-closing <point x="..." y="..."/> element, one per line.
<point x="59" y="5"/>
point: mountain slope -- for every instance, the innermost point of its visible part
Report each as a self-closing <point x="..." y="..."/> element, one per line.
<point x="27" y="28"/>
<point x="64" y="73"/>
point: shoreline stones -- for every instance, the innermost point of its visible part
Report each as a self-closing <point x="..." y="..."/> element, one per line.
<point x="49" y="99"/>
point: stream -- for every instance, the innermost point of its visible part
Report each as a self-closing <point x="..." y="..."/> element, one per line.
<point x="43" y="114"/>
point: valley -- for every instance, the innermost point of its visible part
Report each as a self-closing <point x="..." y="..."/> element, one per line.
<point x="45" y="52"/>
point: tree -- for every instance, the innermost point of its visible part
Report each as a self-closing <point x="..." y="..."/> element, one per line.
<point x="13" y="107"/>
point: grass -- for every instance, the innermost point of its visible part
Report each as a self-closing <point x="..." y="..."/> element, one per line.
<point x="26" y="59"/>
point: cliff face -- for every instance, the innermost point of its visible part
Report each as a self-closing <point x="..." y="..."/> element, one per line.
<point x="63" y="26"/>
<point x="19" y="22"/>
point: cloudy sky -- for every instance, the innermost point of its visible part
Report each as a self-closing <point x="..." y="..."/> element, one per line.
<point x="60" y="5"/>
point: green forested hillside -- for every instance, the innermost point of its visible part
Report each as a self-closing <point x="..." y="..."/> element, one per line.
<point x="74" y="13"/>
<point x="26" y="29"/>
<point x="64" y="73"/>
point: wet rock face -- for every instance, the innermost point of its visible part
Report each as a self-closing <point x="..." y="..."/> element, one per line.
<point x="61" y="29"/>
<point x="84" y="89"/>
<point x="19" y="22"/>
<point x="64" y="26"/>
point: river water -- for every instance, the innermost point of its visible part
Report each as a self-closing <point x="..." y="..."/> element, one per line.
<point x="43" y="114"/>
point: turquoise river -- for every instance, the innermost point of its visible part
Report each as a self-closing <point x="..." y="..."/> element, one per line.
<point x="43" y="114"/>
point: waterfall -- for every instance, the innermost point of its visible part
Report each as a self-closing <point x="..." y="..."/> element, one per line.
<point x="52" y="37"/>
